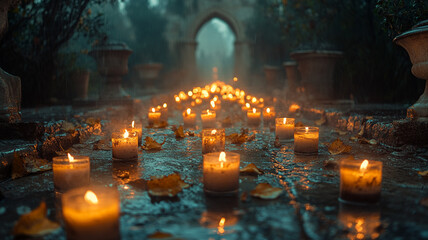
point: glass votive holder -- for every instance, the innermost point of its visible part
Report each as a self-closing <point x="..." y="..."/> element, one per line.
<point x="360" y="181"/>
<point x="284" y="129"/>
<point x="153" y="117"/>
<point x="189" y="118"/>
<point x="213" y="140"/>
<point x="124" y="146"/>
<point x="221" y="173"/>
<point x="253" y="117"/>
<point x="268" y="116"/>
<point x="306" y="140"/>
<point x="91" y="213"/>
<point x="138" y="129"/>
<point x="208" y="118"/>
<point x="70" y="172"/>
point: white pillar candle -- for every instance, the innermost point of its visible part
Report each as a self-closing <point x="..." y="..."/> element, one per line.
<point x="124" y="146"/>
<point x="70" y="172"/>
<point x="91" y="213"/>
<point x="306" y="140"/>
<point x="208" y="118"/>
<point x="284" y="129"/>
<point x="360" y="181"/>
<point x="189" y="118"/>
<point x="221" y="172"/>
<point x="154" y="116"/>
<point x="253" y="118"/>
<point x="268" y="116"/>
<point x="213" y="140"/>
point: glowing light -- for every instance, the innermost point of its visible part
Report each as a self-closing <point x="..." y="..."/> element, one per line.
<point x="213" y="132"/>
<point x="90" y="197"/>
<point x="188" y="111"/>
<point x="284" y="120"/>
<point x="247" y="105"/>
<point x="254" y="99"/>
<point x="268" y="110"/>
<point x="126" y="134"/>
<point x="70" y="158"/>
<point x="306" y="129"/>
<point x="177" y="99"/>
<point x="254" y="110"/>
<point x="220" y="228"/>
<point x="165" y="105"/>
<point x="190" y="93"/>
<point x="261" y="100"/>
<point x="153" y="110"/>
<point x="235" y="79"/>
<point x="213" y="88"/>
<point x="215" y="98"/>
<point x="212" y="104"/>
<point x="132" y="124"/>
<point x="222" y="159"/>
<point x="364" y="165"/>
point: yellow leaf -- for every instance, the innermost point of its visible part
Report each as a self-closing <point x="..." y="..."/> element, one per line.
<point x="321" y="121"/>
<point x="423" y="173"/>
<point x="179" y="132"/>
<point x="35" y="223"/>
<point x="251" y="169"/>
<point x="266" y="191"/>
<point x="338" y="147"/>
<point x="166" y="186"/>
<point x="151" y="144"/>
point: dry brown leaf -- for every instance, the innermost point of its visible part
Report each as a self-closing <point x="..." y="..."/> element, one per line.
<point x="321" y="121"/>
<point x="92" y="121"/>
<point x="251" y="169"/>
<point x="366" y="141"/>
<point x="151" y="144"/>
<point x="68" y="127"/>
<point x="190" y="133"/>
<point x="241" y="138"/>
<point x="340" y="132"/>
<point x="266" y="191"/>
<point x="167" y="186"/>
<point x="179" y="132"/>
<point x="23" y="165"/>
<point x="35" y="223"/>
<point x="423" y="173"/>
<point x="159" y="235"/>
<point x="424" y="202"/>
<point x="338" y="147"/>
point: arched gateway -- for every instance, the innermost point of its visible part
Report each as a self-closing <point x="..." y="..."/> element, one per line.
<point x="182" y="30"/>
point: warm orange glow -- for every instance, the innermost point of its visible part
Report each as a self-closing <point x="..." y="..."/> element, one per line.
<point x="213" y="132"/>
<point x="213" y="88"/>
<point x="248" y="97"/>
<point x="261" y="100"/>
<point x="182" y="95"/>
<point x="364" y="165"/>
<point x="215" y="98"/>
<point x="205" y="94"/>
<point x="165" y="105"/>
<point x="90" y="197"/>
<point x="306" y="129"/>
<point x="284" y="120"/>
<point x="126" y="134"/>
<point x="235" y="79"/>
<point x="158" y="107"/>
<point x="230" y="95"/>
<point x="190" y="93"/>
<point x="247" y="105"/>
<point x="212" y="104"/>
<point x="222" y="159"/>
<point x="177" y="99"/>
<point x="254" y="110"/>
<point x="198" y="101"/>
<point x="293" y="108"/>
<point x="220" y="228"/>
<point x="70" y="158"/>
<point x="132" y="124"/>
<point x="268" y="110"/>
<point x="188" y="111"/>
<point x="254" y="100"/>
<point x="153" y="110"/>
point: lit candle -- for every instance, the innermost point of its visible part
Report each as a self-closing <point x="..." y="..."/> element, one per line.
<point x="360" y="181"/>
<point x="91" y="213"/>
<point x="246" y="107"/>
<point x="70" y="172"/>
<point x="208" y="118"/>
<point x="221" y="172"/>
<point x="189" y="118"/>
<point x="213" y="140"/>
<point x="306" y="140"/>
<point x="284" y="129"/>
<point x="138" y="129"/>
<point x="253" y="118"/>
<point x="125" y="146"/>
<point x="268" y="115"/>
<point x="213" y="105"/>
<point x="154" y="116"/>
<point x="164" y="112"/>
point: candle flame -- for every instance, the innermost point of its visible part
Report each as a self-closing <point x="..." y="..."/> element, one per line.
<point x="70" y="158"/>
<point x="153" y="110"/>
<point x="188" y="111"/>
<point x="254" y="100"/>
<point x="222" y="159"/>
<point x="212" y="104"/>
<point x="247" y="105"/>
<point x="215" y="98"/>
<point x="235" y="79"/>
<point x="268" y="110"/>
<point x="364" y="165"/>
<point x="254" y="110"/>
<point x="213" y="131"/>
<point x="220" y="228"/>
<point x="306" y="129"/>
<point x="190" y="93"/>
<point x="177" y="99"/>
<point x="165" y="105"/>
<point x="133" y="122"/>
<point x="261" y="100"/>
<point x="90" y="197"/>
<point x="284" y="120"/>
<point x="126" y="134"/>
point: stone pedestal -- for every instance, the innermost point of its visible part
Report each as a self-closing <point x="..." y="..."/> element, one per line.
<point x="112" y="64"/>
<point x="291" y="77"/>
<point x="415" y="42"/>
<point x="317" y="69"/>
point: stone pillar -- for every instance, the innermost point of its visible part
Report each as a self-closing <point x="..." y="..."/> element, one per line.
<point x="188" y="61"/>
<point x="242" y="60"/>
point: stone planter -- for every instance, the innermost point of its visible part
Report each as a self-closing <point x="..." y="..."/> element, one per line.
<point x="415" y="41"/>
<point x="80" y="81"/>
<point x="148" y="73"/>
<point x="112" y="64"/>
<point x="317" y="69"/>
<point x="291" y="77"/>
<point x="272" y="76"/>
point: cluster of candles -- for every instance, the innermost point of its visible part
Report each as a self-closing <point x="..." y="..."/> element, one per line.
<point x="93" y="212"/>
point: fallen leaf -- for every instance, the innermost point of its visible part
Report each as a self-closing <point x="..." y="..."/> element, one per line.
<point x="161" y="124"/>
<point x="151" y="144"/>
<point x="340" y="132"/>
<point x="338" y="147"/>
<point x="190" y="133"/>
<point x="241" y="138"/>
<point x="251" y="169"/>
<point x="68" y="127"/>
<point x="92" y="121"/>
<point x="18" y="168"/>
<point x="35" y="223"/>
<point x="423" y="173"/>
<point x="424" y="202"/>
<point x="166" y="186"/>
<point x="179" y="132"/>
<point x="159" y="235"/>
<point x="26" y="164"/>
<point x="321" y="121"/>
<point x="366" y="141"/>
<point x="266" y="191"/>
<point x="361" y="132"/>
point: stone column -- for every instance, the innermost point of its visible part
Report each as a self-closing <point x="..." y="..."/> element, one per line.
<point x="188" y="61"/>
<point x="242" y="60"/>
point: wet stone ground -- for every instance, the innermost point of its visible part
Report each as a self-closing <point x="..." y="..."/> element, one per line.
<point x="307" y="209"/>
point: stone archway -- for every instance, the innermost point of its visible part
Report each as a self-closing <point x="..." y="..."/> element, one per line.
<point x="188" y="44"/>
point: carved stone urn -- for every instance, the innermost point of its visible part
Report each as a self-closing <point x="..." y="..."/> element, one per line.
<point x="148" y="73"/>
<point x="112" y="63"/>
<point x="317" y="70"/>
<point x="291" y="77"/>
<point x="272" y="75"/>
<point x="10" y="86"/>
<point x="415" y="41"/>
